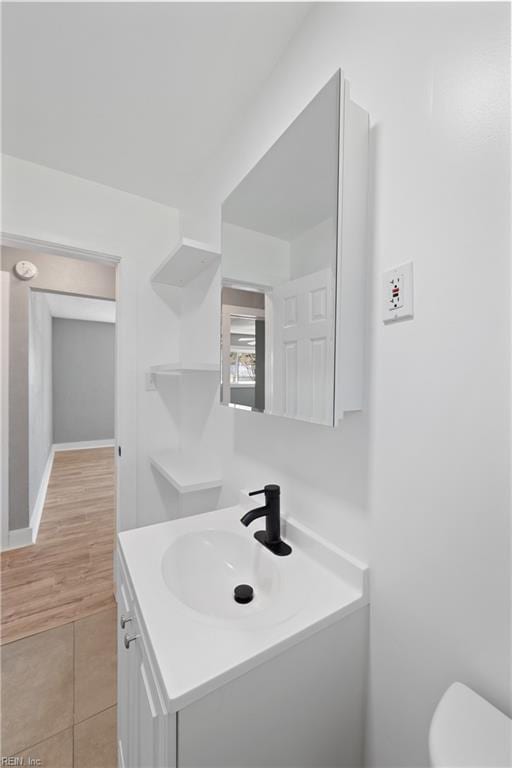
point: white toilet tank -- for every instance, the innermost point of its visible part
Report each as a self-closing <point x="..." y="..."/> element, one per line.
<point x="468" y="731"/>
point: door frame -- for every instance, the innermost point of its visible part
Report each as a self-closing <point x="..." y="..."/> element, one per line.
<point x="5" y="286"/>
<point x="124" y="371"/>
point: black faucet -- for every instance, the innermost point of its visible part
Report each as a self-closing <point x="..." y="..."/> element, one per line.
<point x="271" y="537"/>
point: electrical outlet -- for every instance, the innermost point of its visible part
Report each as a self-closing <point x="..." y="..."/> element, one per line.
<point x="397" y="298"/>
<point x="396" y="293"/>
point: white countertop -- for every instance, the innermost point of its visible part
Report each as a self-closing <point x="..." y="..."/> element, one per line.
<point x="195" y="652"/>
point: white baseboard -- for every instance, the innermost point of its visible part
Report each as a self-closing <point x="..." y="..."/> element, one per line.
<point x="24" y="537"/>
<point x="83" y="444"/>
<point x="21" y="537"/>
<point x="37" y="512"/>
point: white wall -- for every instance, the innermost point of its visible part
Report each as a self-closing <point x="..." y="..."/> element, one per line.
<point x="39" y="392"/>
<point x="250" y="257"/>
<point x="313" y="250"/>
<point x="48" y="205"/>
<point x="253" y="257"/>
<point x="418" y="482"/>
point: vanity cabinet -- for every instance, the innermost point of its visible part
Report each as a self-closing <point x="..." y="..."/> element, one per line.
<point x="146" y="732"/>
<point x="302" y="708"/>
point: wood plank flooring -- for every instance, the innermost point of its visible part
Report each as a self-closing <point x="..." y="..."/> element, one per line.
<point x="68" y="573"/>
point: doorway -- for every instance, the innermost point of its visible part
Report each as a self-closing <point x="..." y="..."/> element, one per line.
<point x="69" y="278"/>
<point x="65" y="298"/>
<point x="62" y="437"/>
<point x="57" y="585"/>
<point x="71" y="396"/>
<point x="244" y="331"/>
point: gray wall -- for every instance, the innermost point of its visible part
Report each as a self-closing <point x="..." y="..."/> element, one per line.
<point x="259" y="392"/>
<point x="240" y="298"/>
<point x="39" y="391"/>
<point x="83" y="380"/>
<point x="56" y="273"/>
<point x="242" y="395"/>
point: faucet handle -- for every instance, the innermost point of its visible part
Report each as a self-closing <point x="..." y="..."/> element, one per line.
<point x="270" y="490"/>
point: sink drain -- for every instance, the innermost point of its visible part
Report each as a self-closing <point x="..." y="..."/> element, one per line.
<point x="244" y="593"/>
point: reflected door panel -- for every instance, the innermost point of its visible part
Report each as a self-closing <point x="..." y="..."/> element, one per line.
<point x="303" y="380"/>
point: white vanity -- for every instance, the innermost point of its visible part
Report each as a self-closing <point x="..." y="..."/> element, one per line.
<point x="206" y="681"/>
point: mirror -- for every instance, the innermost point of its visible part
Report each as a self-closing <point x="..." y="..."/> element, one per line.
<point x="279" y="267"/>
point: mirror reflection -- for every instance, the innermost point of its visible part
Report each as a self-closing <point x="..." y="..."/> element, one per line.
<point x="279" y="252"/>
<point x="243" y="362"/>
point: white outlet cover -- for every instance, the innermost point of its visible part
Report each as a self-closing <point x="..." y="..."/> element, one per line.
<point x="398" y="293"/>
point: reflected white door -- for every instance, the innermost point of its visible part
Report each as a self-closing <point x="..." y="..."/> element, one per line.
<point x="303" y="348"/>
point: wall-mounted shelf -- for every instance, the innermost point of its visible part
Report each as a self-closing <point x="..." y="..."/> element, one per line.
<point x="177" y="369"/>
<point x="185" y="262"/>
<point x="186" y="473"/>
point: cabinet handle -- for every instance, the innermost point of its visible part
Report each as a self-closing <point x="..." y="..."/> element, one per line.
<point x="129" y="639"/>
<point x="125" y="618"/>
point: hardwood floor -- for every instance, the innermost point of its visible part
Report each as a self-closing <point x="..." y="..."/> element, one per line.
<point x="68" y="573"/>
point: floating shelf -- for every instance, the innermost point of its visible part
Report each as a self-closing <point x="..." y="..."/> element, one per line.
<point x="185" y="262"/>
<point x="186" y="474"/>
<point x="177" y="369"/>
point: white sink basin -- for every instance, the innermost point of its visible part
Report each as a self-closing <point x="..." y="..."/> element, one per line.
<point x="184" y="572"/>
<point x="202" y="568"/>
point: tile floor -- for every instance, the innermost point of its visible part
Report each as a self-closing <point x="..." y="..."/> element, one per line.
<point x="59" y="695"/>
<point x="58" y="624"/>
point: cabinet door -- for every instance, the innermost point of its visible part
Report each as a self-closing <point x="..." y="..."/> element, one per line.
<point x="125" y="675"/>
<point x="149" y="722"/>
<point x="147" y="734"/>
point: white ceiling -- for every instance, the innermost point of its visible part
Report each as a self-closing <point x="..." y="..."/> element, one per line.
<point x="136" y="96"/>
<point x="81" y="308"/>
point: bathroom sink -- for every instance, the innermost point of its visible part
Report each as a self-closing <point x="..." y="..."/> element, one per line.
<point x="184" y="573"/>
<point x="202" y="569"/>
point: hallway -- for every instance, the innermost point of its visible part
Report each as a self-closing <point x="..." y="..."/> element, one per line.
<point x="68" y="573"/>
<point x="58" y="622"/>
